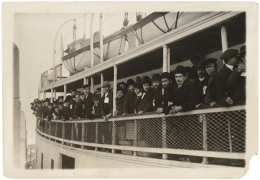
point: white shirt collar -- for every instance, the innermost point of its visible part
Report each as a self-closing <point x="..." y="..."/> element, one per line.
<point x="201" y="79"/>
<point x="229" y="67"/>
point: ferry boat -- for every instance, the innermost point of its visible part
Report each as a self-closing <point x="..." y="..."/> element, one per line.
<point x="214" y="137"/>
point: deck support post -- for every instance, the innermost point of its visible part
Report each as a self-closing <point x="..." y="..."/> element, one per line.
<point x="114" y="89"/>
<point x="168" y="60"/>
<point x="44" y="95"/>
<point x="91" y="40"/>
<point x="85" y="80"/>
<point x="65" y="92"/>
<point x="72" y="133"/>
<point x="51" y="95"/>
<point x="83" y="139"/>
<point x="224" y="40"/>
<point x="165" y="59"/>
<point x="96" y="141"/>
<point x="101" y="50"/>
<point x="113" y="135"/>
<point x="63" y="132"/>
<point x="135" y="137"/>
<point x="56" y="130"/>
<point x="92" y="85"/>
<point x="101" y="83"/>
<point x="54" y="94"/>
<point x="202" y="117"/>
<point x="164" y="137"/>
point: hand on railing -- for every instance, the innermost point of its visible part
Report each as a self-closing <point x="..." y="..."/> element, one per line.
<point x="212" y="103"/>
<point x="229" y="101"/>
<point x="199" y="105"/>
<point x="159" y="110"/>
<point x="175" y="109"/>
<point x="140" y="112"/>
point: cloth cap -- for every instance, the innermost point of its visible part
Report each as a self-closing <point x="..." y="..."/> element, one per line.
<point x="138" y="79"/>
<point x="119" y="84"/>
<point x="130" y="82"/>
<point x="105" y="83"/>
<point x="180" y="70"/>
<point x="146" y="80"/>
<point x="120" y="89"/>
<point x="166" y="75"/>
<point x="95" y="98"/>
<point x="208" y="61"/>
<point x="242" y="50"/>
<point x="229" y="54"/>
<point x="156" y="77"/>
<point x="195" y="57"/>
<point x="138" y="86"/>
<point x="85" y="85"/>
<point x="98" y="89"/>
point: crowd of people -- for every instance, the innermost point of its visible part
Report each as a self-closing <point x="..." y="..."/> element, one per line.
<point x="191" y="87"/>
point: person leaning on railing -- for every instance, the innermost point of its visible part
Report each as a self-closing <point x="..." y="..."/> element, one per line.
<point x="120" y="99"/>
<point x="96" y="109"/>
<point x="78" y="109"/>
<point x="129" y="98"/>
<point x="50" y="111"/>
<point x="106" y="102"/>
<point x="66" y="112"/>
<point x="137" y="99"/>
<point x="87" y="101"/>
<point x="57" y="114"/>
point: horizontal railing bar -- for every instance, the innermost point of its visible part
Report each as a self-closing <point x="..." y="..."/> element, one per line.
<point x="156" y="150"/>
<point x="154" y="115"/>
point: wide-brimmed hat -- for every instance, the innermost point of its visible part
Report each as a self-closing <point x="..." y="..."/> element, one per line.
<point x="146" y="80"/>
<point x="105" y="83"/>
<point x="166" y="75"/>
<point x="229" y="53"/>
<point x="156" y="77"/>
<point x="180" y="70"/>
<point x="208" y="61"/>
<point x="130" y="82"/>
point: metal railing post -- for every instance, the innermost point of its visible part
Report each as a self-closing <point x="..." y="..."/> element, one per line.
<point x="113" y="135"/>
<point x="49" y="128"/>
<point x="83" y="139"/>
<point x="56" y="130"/>
<point x="96" y="136"/>
<point x="203" y="119"/>
<point x="135" y="137"/>
<point x="46" y="124"/>
<point x="72" y="133"/>
<point x="164" y="138"/>
<point x="77" y="131"/>
<point x="63" y="132"/>
<point x="229" y="133"/>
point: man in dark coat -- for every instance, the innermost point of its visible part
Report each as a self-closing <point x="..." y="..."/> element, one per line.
<point x="50" y="112"/>
<point x="129" y="98"/>
<point x="78" y="109"/>
<point x="146" y="104"/>
<point x="66" y="111"/>
<point x="120" y="99"/>
<point x="156" y="81"/>
<point x="96" y="110"/>
<point x="223" y="92"/>
<point x="163" y="98"/>
<point x="184" y="93"/>
<point x="72" y="102"/>
<point x="139" y="93"/>
<point x="88" y="102"/>
<point x="106" y="102"/>
<point x="194" y="60"/>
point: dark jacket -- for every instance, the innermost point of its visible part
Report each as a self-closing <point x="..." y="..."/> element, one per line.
<point x="146" y="104"/>
<point x="97" y="110"/>
<point x="88" y="105"/>
<point x="222" y="86"/>
<point x="49" y="116"/>
<point x="66" y="113"/>
<point x="39" y="112"/>
<point x="107" y="108"/>
<point x="45" y="112"/>
<point x="199" y="85"/>
<point x="120" y="105"/>
<point x="59" y="114"/>
<point x="137" y="101"/>
<point x="78" y="110"/>
<point x="129" y="103"/>
<point x="211" y="89"/>
<point x="164" y="100"/>
<point x="72" y="104"/>
<point x="186" y="96"/>
<point x="237" y="86"/>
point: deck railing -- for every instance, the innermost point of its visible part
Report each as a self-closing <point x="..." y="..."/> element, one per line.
<point x="215" y="132"/>
<point x="44" y="75"/>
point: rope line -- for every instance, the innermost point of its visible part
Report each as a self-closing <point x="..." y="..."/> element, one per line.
<point x="166" y="22"/>
<point x="158" y="27"/>
<point x="142" y="35"/>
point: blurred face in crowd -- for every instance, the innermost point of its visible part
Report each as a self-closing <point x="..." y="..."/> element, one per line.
<point x="60" y="106"/>
<point x="232" y="61"/>
<point x="40" y="105"/>
<point x="146" y="87"/>
<point x="194" y="62"/>
<point x="106" y="89"/>
<point x="122" y="86"/>
<point x="60" y="100"/>
<point x="43" y="104"/>
<point x="119" y="94"/>
<point x="156" y="84"/>
<point x="137" y="91"/>
<point x="179" y="79"/>
<point x="66" y="104"/>
<point x="201" y="72"/>
<point x="73" y="94"/>
<point x="131" y="88"/>
<point x="82" y="97"/>
<point x="165" y="82"/>
<point x="46" y="104"/>
<point x="54" y="105"/>
<point x="211" y="68"/>
<point x="57" y="109"/>
<point x="96" y="102"/>
<point x="98" y="92"/>
<point x="50" y="106"/>
<point x="87" y="90"/>
<point x="77" y="97"/>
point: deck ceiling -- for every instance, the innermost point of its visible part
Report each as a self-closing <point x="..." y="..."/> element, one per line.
<point x="202" y="43"/>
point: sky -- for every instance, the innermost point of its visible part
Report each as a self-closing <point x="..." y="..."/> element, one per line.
<point x="34" y="35"/>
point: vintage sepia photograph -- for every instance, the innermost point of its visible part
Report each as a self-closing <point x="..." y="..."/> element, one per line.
<point x="126" y="88"/>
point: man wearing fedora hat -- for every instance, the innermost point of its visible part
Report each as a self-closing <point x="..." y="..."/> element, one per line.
<point x="224" y="93"/>
<point x="156" y="81"/>
<point x="106" y="102"/>
<point x="123" y="86"/>
<point x="146" y="104"/>
<point x="129" y="98"/>
<point x="163" y="97"/>
<point x="87" y="101"/>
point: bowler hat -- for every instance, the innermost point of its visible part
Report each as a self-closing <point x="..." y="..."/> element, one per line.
<point x="120" y="89"/>
<point x="105" y="83"/>
<point x="195" y="57"/>
<point x="138" y="86"/>
<point x="156" y="77"/>
<point x="166" y="75"/>
<point x="229" y="53"/>
<point x="85" y="85"/>
<point x="138" y="79"/>
<point x="146" y="80"/>
<point x="130" y="82"/>
<point x="209" y="60"/>
<point x="180" y="70"/>
<point x="200" y="65"/>
<point x="95" y="98"/>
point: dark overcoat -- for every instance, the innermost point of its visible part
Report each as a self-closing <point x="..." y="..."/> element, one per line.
<point x="107" y="108"/>
<point x="146" y="104"/>
<point x="129" y="103"/>
<point x="120" y="105"/>
<point x="164" y="100"/>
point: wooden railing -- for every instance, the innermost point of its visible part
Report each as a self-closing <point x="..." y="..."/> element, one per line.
<point x="215" y="132"/>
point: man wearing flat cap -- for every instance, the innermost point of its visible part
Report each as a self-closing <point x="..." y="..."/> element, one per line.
<point x="106" y="102"/>
<point x="237" y="80"/>
<point x="156" y="81"/>
<point x="184" y="93"/>
<point x="129" y="98"/>
<point x="163" y="98"/>
<point x="224" y="94"/>
<point x="146" y="104"/>
<point x="87" y="101"/>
